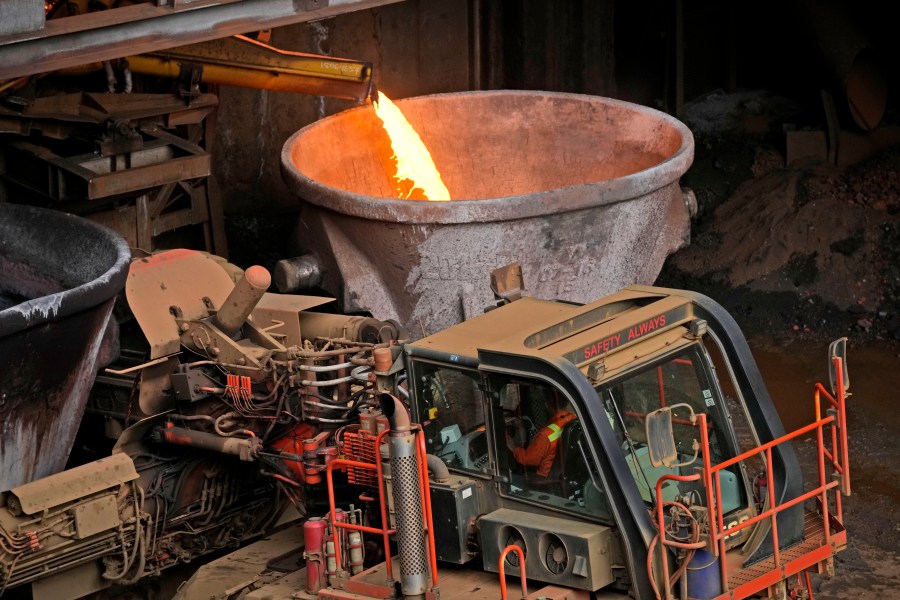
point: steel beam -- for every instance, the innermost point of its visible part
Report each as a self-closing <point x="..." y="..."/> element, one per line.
<point x="145" y="27"/>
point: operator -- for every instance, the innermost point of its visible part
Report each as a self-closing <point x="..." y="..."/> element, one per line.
<point x="541" y="451"/>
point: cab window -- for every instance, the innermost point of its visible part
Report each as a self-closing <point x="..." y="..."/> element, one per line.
<point x="450" y="407"/>
<point x="543" y="455"/>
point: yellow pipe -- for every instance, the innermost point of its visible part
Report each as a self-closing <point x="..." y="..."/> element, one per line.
<point x="254" y="77"/>
<point x="6" y="85"/>
<point x="245" y="62"/>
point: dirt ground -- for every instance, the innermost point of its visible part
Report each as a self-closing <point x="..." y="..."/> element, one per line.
<point x="800" y="255"/>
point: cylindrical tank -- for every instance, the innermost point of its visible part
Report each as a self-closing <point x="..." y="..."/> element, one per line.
<point x="59" y="275"/>
<point x="703" y="577"/>
<point x="247" y="292"/>
<point x="581" y="190"/>
<point x="313" y="538"/>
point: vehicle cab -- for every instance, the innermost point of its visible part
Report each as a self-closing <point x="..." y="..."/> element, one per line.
<point x="484" y="391"/>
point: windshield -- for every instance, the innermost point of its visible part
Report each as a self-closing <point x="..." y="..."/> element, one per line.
<point x="682" y="379"/>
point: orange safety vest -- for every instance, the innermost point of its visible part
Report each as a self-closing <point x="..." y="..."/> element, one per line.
<point x="541" y="452"/>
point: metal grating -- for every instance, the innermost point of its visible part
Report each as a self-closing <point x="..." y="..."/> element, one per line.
<point x="813" y="538"/>
<point x="360" y="446"/>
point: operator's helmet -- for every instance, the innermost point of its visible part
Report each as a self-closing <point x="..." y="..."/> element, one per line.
<point x="563" y="417"/>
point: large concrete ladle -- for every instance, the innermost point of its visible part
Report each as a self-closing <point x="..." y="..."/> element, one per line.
<point x="581" y="190"/>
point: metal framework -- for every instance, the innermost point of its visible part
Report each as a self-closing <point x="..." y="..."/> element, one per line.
<point x="145" y="27"/>
<point x="135" y="177"/>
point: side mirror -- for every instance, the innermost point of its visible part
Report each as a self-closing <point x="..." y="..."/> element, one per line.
<point x="660" y="437"/>
<point x="838" y="348"/>
<point x="661" y="447"/>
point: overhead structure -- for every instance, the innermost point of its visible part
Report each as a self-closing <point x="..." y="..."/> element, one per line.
<point x="29" y="44"/>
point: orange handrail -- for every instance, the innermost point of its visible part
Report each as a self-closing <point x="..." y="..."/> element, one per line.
<point x="501" y="566"/>
<point x="711" y="477"/>
<point x="343" y="462"/>
<point x="660" y="381"/>
<point x="425" y="497"/>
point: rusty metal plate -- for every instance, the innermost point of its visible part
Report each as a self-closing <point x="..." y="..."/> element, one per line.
<point x="75" y="483"/>
<point x="95" y="516"/>
<point x="177" y="278"/>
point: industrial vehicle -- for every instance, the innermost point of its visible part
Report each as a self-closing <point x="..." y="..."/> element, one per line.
<point x="672" y="477"/>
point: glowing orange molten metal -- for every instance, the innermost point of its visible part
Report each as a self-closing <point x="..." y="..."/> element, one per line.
<point x="415" y="168"/>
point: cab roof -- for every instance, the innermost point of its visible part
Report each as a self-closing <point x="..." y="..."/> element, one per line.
<point x="580" y="334"/>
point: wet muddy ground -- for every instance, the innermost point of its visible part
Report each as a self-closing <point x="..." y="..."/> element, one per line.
<point x="871" y="563"/>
